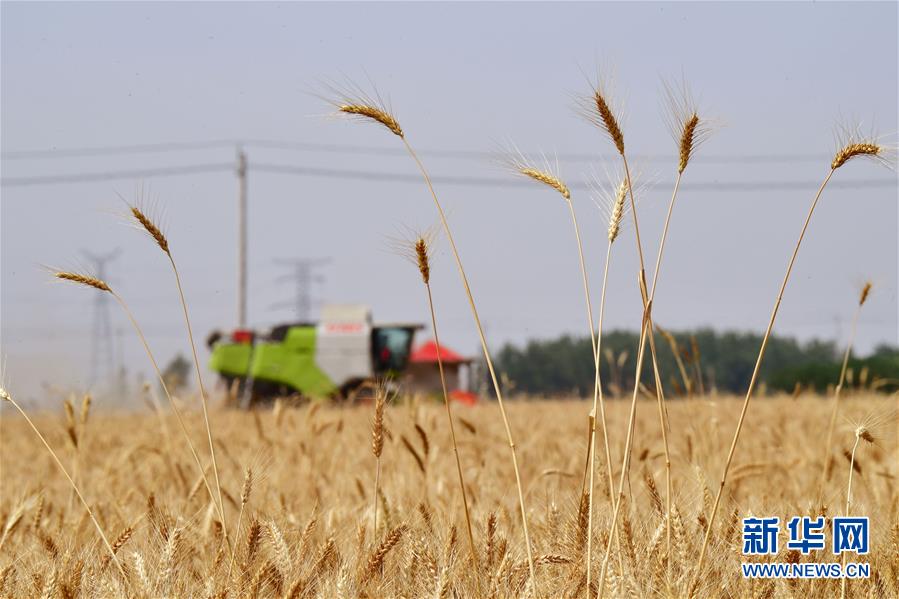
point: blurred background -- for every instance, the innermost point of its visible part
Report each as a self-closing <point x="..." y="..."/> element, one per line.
<point x="101" y="100"/>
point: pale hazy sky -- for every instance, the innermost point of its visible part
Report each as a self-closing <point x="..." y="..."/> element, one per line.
<point x="460" y="77"/>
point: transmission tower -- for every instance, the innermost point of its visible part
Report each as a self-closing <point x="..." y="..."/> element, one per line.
<point x="102" y="342"/>
<point x="302" y="275"/>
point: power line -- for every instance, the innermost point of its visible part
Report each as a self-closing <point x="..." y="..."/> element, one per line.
<point x="122" y="149"/>
<point x="492" y="155"/>
<point x="382" y="176"/>
<point x="113" y="175"/>
<point x="580" y="185"/>
<point x="276" y="144"/>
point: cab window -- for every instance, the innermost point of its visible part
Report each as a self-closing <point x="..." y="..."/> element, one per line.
<point x="390" y="347"/>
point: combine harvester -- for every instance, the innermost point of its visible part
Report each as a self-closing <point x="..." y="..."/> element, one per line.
<point x="334" y="358"/>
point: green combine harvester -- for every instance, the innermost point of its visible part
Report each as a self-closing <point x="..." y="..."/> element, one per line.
<point x="333" y="358"/>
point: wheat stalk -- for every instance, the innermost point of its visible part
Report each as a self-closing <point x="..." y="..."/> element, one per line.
<point x="844" y="153"/>
<point x="91" y="281"/>
<point x="616" y="201"/>
<point x="862" y="432"/>
<point x="154" y="231"/>
<point x="6" y="396"/>
<point x="547" y="177"/>
<point x="689" y="131"/>
<point x="378" y="110"/>
<point x="420" y="248"/>
<point x="828" y="453"/>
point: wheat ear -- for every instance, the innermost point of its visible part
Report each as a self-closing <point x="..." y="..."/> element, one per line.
<point x="90" y="281"/>
<point x="244" y="499"/>
<point x="828" y="452"/>
<point x="6" y="396"/>
<point x="156" y="233"/>
<point x="377" y="446"/>
<point x="672" y="342"/>
<point x="843" y="154"/>
<point x="481" y="337"/>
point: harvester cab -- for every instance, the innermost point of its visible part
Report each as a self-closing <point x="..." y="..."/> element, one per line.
<point x="331" y="358"/>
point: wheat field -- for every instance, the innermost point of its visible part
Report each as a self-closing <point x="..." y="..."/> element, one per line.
<point x="306" y="526"/>
<point x="405" y="497"/>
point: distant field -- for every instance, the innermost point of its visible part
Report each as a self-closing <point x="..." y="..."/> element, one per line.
<point x="306" y="529"/>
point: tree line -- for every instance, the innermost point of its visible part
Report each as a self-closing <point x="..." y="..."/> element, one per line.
<point x="691" y="362"/>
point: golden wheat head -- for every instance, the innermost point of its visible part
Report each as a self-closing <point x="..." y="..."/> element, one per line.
<point x="862" y="432"/>
<point x="377" y="427"/>
<point x="416" y="246"/>
<point x="875" y="427"/>
<point x="610" y="196"/>
<point x="852" y="143"/>
<point x="374" y="113"/>
<point x="519" y="164"/>
<point x="421" y="255"/>
<point x="617" y="211"/>
<point x="83" y="279"/>
<point x="150" y="227"/>
<point x="598" y="109"/>
<point x="247" y="486"/>
<point x="352" y="101"/>
<point x="851" y="150"/>
<point x="684" y="122"/>
<point x="547" y="179"/>
<point x="866" y="291"/>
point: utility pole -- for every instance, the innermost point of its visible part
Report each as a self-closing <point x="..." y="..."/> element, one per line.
<point x="242" y="239"/>
<point x="121" y="369"/>
<point x="303" y="276"/>
<point x="102" y="351"/>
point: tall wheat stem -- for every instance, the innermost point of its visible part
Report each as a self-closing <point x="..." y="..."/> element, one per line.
<point x="626" y="461"/>
<point x="663" y="413"/>
<point x="594" y="339"/>
<point x="645" y="332"/>
<point x="848" y="507"/>
<point x="452" y="428"/>
<point x="828" y="453"/>
<point x="752" y="383"/>
<point x="8" y="397"/>
<point x="177" y="411"/>
<point x="647" y="302"/>
<point x="203" y="397"/>
<point x="593" y="335"/>
<point x="483" y="340"/>
<point x="598" y="400"/>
